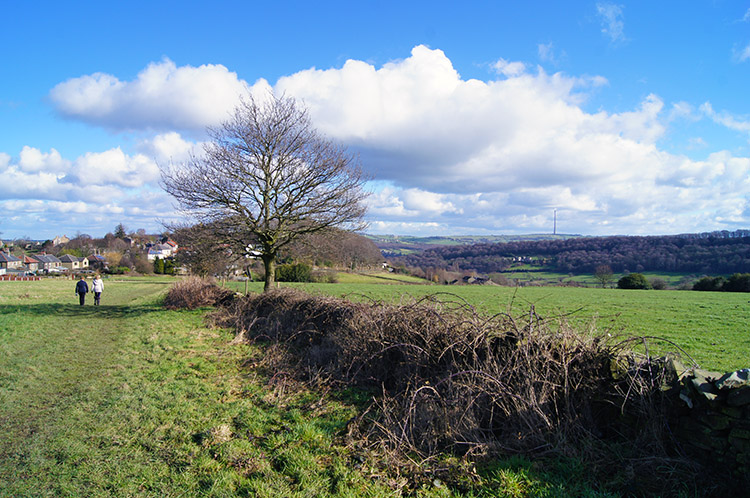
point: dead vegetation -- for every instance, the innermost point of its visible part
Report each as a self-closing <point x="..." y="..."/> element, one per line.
<point x="195" y="292"/>
<point x="446" y="379"/>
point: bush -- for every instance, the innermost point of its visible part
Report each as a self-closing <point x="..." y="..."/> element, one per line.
<point x="709" y="284"/>
<point x="196" y="292"/>
<point x="633" y="281"/>
<point x="658" y="283"/>
<point x="296" y="272"/>
<point x="739" y="282"/>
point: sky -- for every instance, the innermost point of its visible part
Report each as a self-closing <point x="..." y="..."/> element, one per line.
<point x="474" y="117"/>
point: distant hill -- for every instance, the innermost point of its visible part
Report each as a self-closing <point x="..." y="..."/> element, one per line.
<point x="397" y="245"/>
<point x="714" y="253"/>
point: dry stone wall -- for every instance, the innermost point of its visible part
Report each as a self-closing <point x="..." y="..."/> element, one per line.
<point x="713" y="419"/>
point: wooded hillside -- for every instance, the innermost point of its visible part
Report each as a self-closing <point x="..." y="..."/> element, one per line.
<point x="704" y="253"/>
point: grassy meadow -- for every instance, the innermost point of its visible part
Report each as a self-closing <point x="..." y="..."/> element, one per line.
<point x="131" y="399"/>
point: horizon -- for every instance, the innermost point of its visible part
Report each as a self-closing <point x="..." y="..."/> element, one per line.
<point x="366" y="234"/>
<point x="471" y="119"/>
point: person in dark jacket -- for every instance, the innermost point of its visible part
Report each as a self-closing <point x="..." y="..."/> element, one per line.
<point x="81" y="289"/>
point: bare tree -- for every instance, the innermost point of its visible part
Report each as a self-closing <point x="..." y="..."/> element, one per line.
<point x="603" y="273"/>
<point x="267" y="177"/>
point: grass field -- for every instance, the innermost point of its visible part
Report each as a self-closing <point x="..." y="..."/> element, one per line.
<point x="129" y="399"/>
<point x="712" y="327"/>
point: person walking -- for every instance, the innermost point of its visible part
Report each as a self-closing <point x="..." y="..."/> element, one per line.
<point x="97" y="286"/>
<point x="81" y="289"/>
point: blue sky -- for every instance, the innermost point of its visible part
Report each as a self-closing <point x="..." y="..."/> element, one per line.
<point x="472" y="117"/>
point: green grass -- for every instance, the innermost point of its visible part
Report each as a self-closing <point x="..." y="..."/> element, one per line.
<point x="129" y="399"/>
<point x="711" y="327"/>
<point x="380" y="277"/>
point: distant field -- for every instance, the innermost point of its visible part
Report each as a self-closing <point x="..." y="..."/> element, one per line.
<point x="534" y="274"/>
<point x="377" y="278"/>
<point x="712" y="327"/>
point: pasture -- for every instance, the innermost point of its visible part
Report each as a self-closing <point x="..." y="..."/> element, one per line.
<point x="713" y="328"/>
<point x="130" y="399"/>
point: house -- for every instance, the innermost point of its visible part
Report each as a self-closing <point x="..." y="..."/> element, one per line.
<point x="9" y="262"/>
<point x="30" y="263"/>
<point x="161" y="251"/>
<point x="97" y="261"/>
<point x="74" y="262"/>
<point x="47" y="262"/>
<point x="60" y="239"/>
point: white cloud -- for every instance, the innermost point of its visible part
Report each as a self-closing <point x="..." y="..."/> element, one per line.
<point x="549" y="53"/>
<point x="33" y="160"/>
<point x="168" y="147"/>
<point x="93" y="182"/>
<point x="451" y="154"/>
<point x="162" y="97"/>
<point x="726" y="119"/>
<point x="509" y="69"/>
<point x="113" y="167"/>
<point x="503" y="153"/>
<point x="742" y="55"/>
<point x="611" y="18"/>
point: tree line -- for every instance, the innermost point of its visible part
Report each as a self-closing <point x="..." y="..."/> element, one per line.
<point x="718" y="253"/>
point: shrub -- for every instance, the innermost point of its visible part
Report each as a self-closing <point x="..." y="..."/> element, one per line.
<point x="633" y="281"/>
<point x="294" y="272"/>
<point x="709" y="284"/>
<point x="196" y="292"/>
<point x="739" y="282"/>
<point x="658" y="283"/>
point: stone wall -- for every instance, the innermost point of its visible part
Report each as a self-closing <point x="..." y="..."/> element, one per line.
<point x="713" y="418"/>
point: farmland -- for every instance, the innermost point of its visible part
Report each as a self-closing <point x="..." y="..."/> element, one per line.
<point x="130" y="399"/>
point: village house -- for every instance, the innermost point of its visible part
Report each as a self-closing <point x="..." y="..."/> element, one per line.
<point x="47" y="262"/>
<point x="74" y="262"/>
<point x="31" y="263"/>
<point x="162" y="251"/>
<point x="97" y="261"/>
<point x="9" y="262"/>
<point x="60" y="239"/>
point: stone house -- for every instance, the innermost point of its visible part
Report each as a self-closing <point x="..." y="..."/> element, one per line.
<point x="10" y="262"/>
<point x="74" y="262"/>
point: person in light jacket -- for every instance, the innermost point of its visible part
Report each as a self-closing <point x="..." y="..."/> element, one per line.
<point x="97" y="286"/>
<point x="81" y="289"/>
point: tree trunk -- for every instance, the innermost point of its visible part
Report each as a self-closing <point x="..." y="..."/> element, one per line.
<point x="270" y="263"/>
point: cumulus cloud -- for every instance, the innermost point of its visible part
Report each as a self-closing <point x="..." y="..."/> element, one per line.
<point x="169" y="148"/>
<point x="46" y="189"/>
<point x="502" y="152"/>
<point x="611" y="17"/>
<point x="451" y="154"/>
<point x="162" y="97"/>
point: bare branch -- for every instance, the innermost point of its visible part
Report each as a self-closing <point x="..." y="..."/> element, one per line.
<point x="268" y="177"/>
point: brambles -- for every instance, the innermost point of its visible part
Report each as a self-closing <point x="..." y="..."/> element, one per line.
<point x="195" y="292"/>
<point x="450" y="380"/>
